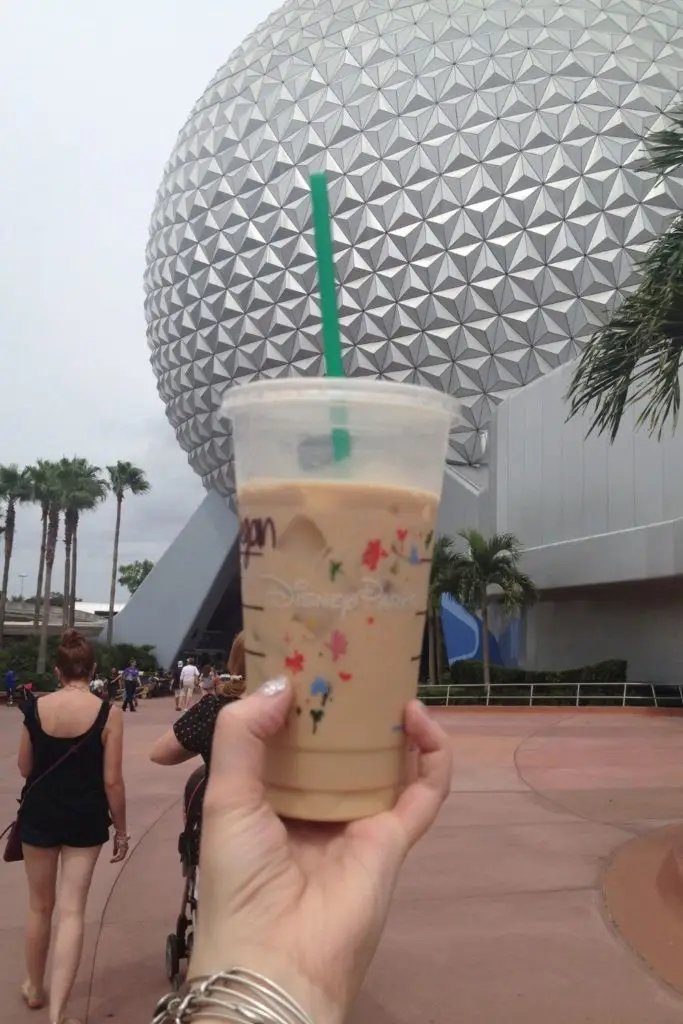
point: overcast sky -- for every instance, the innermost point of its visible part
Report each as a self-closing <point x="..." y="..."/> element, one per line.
<point x="92" y="96"/>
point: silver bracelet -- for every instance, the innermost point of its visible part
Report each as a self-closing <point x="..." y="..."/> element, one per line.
<point x="238" y="996"/>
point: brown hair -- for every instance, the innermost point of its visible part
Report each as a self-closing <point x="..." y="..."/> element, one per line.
<point x="206" y="671"/>
<point x="236" y="660"/>
<point x="231" y="688"/>
<point x="75" y="656"/>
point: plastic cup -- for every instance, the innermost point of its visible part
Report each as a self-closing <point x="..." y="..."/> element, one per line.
<point x="335" y="557"/>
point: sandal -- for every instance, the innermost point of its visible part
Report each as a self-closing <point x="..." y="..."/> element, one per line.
<point x="33" y="1001"/>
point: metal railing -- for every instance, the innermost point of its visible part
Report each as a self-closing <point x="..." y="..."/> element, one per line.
<point x="623" y="695"/>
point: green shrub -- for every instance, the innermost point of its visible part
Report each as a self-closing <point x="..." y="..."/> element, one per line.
<point x="614" y="671"/>
<point x="463" y="684"/>
<point x="22" y="655"/>
<point x="436" y="696"/>
<point x="119" y="655"/>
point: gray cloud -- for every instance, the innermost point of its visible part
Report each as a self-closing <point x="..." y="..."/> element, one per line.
<point x="91" y="99"/>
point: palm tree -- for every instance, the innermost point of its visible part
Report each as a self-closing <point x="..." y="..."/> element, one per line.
<point x="123" y="477"/>
<point x="440" y="573"/>
<point x="94" y="492"/>
<point x="54" y="493"/>
<point x="134" y="575"/>
<point x="83" y="488"/>
<point x="15" y="488"/>
<point x="489" y="567"/>
<point x="40" y="474"/>
<point x="637" y="355"/>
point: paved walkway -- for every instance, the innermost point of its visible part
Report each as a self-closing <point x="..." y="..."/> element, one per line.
<point x="499" y="914"/>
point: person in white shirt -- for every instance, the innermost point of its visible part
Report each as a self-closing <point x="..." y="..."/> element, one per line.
<point x="188" y="680"/>
<point x="176" y="685"/>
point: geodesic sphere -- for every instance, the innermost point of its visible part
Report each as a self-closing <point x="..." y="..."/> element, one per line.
<point x="486" y="184"/>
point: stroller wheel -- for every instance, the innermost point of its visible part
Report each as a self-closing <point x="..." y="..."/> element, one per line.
<point x="172" y="959"/>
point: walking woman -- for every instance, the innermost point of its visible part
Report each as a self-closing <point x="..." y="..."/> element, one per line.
<point x="70" y="755"/>
<point x="208" y="680"/>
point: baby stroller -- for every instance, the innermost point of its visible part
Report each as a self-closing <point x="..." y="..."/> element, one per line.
<point x="179" y="943"/>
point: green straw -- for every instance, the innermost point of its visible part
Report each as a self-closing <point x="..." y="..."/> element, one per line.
<point x="332" y="353"/>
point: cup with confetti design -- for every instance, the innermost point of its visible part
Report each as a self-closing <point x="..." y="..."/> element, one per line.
<point x="335" y="557"/>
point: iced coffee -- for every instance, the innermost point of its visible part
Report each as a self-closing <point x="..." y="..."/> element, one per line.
<point x="336" y="542"/>
<point x="334" y="587"/>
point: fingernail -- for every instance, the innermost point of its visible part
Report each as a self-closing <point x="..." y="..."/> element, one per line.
<point x="273" y="687"/>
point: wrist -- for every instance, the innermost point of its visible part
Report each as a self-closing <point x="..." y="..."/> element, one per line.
<point x="277" y="968"/>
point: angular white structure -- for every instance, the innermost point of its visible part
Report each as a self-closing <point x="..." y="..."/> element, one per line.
<point x="191" y="599"/>
<point x="489" y="203"/>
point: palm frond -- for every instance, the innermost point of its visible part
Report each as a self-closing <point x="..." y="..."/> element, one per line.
<point x="441" y="555"/>
<point x="464" y="585"/>
<point x="665" y="147"/>
<point x="15" y="485"/>
<point x="637" y="356"/>
<point x="518" y="590"/>
<point x="124" y="476"/>
<point x="488" y="562"/>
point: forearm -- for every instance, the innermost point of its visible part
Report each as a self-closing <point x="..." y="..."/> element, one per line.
<point x="116" y="798"/>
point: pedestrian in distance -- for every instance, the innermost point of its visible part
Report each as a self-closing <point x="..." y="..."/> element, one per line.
<point x="10" y="686"/>
<point x="131" y="676"/>
<point x="188" y="680"/>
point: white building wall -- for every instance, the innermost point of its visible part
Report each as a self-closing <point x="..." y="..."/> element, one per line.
<point x="589" y="513"/>
<point x="562" y="493"/>
<point x="461" y="502"/>
<point x="646" y="632"/>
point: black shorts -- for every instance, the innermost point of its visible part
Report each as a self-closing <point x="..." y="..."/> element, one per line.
<point x="47" y="839"/>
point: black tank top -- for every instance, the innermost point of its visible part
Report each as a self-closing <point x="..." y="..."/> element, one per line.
<point x="72" y="796"/>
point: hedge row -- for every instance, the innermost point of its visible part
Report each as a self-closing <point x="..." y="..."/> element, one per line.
<point x="509" y="686"/>
<point x="22" y="655"/>
<point x="551" y="696"/>
<point x="613" y="671"/>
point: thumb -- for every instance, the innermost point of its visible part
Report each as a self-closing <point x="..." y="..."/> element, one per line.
<point x="238" y="749"/>
<point x="419" y="804"/>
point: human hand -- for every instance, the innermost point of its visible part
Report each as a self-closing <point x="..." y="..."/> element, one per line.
<point x="121" y="844"/>
<point x="303" y="904"/>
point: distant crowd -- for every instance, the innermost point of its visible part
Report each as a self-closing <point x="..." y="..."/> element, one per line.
<point x="131" y="684"/>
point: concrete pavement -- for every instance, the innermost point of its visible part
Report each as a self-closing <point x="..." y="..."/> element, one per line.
<point x="499" y="915"/>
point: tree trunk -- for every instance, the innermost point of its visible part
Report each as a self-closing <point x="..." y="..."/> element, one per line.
<point x="114" y="568"/>
<point x="68" y="539"/>
<point x="51" y="545"/>
<point x="485" y="649"/>
<point x="430" y="648"/>
<point x="41" y="570"/>
<point x="438" y="636"/>
<point x="74" y="569"/>
<point x="10" y="518"/>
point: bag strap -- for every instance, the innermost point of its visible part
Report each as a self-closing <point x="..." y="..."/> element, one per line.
<point x="70" y="752"/>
